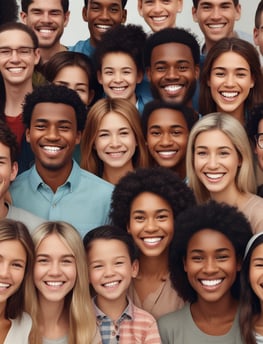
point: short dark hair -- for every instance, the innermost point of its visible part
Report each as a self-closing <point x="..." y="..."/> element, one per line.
<point x="129" y="39"/>
<point x="8" y="12"/>
<point x="171" y="35"/>
<point x="8" y="139"/>
<point x="215" y="216"/>
<point x="26" y="3"/>
<point x="259" y="10"/>
<point x="54" y="94"/>
<point x="123" y="3"/>
<point x="196" y="2"/>
<point x="157" y="180"/>
<point x="188" y="113"/>
<point x="256" y="116"/>
<point x="109" y="232"/>
<point x="22" y="27"/>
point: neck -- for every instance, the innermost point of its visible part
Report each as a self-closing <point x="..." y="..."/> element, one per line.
<point x="47" y="53"/>
<point x="154" y="266"/>
<point x="114" y="174"/>
<point x="15" y="97"/>
<point x="112" y="308"/>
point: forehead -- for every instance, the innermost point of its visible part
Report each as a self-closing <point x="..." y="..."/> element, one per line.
<point x="115" y="248"/>
<point x="209" y="240"/>
<point x="164" y="117"/>
<point x="216" y="2"/>
<point x="172" y="52"/>
<point x="117" y="58"/>
<point x="46" y="4"/>
<point x="54" y="112"/>
<point x="18" y="37"/>
<point x="105" y="2"/>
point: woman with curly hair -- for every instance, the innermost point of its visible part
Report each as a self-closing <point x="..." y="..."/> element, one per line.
<point x="145" y="203"/>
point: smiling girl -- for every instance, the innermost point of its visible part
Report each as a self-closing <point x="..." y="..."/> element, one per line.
<point x="219" y="166"/>
<point x="112" y="142"/>
<point x="231" y="79"/>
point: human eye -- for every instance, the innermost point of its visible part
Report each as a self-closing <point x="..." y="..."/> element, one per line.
<point x="139" y="218"/>
<point x="108" y="72"/>
<point x="36" y="11"/>
<point x="224" y="153"/>
<point x="155" y="132"/>
<point x="81" y="90"/>
<point x="94" y="7"/>
<point x="124" y="133"/>
<point x="197" y="258"/>
<point x="55" y="12"/>
<point x="220" y="74"/>
<point x="97" y="266"/>
<point x="115" y="9"/>
<point x="40" y="126"/>
<point x="222" y="257"/>
<point x="119" y="262"/>
<point x="18" y="265"/>
<point x="176" y="132"/>
<point x="24" y="50"/>
<point x="160" y="68"/>
<point x="205" y="6"/>
<point x="182" y="67"/>
<point x="5" y="51"/>
<point x="241" y="74"/>
<point x="103" y="134"/>
<point x="64" y="127"/>
<point x="201" y="153"/>
<point x="68" y="261"/>
<point x="162" y="217"/>
<point x="42" y="260"/>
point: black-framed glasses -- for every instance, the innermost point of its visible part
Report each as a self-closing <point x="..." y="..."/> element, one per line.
<point x="21" y="51"/>
<point x="259" y="140"/>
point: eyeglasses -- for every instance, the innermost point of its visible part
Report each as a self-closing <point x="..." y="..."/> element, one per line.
<point x="259" y="140"/>
<point x="21" y="51"/>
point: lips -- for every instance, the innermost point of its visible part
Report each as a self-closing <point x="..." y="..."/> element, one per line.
<point x="159" y="19"/>
<point x="51" y="149"/>
<point x="102" y="27"/>
<point x="152" y="241"/>
<point x="116" y="154"/>
<point x="173" y="89"/>
<point x="4" y="285"/>
<point x="111" y="284"/>
<point x="229" y="95"/>
<point x="54" y="283"/>
<point x="211" y="283"/>
<point x="216" y="26"/>
<point x="215" y="176"/>
<point x="167" y="154"/>
<point x="15" y="70"/>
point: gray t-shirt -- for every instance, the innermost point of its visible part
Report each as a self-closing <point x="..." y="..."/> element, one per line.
<point x="179" y="327"/>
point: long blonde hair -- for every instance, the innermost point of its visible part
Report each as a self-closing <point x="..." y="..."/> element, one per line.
<point x="233" y="129"/>
<point x="82" y="322"/>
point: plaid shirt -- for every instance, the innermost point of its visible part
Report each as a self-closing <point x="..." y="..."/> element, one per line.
<point x="133" y="326"/>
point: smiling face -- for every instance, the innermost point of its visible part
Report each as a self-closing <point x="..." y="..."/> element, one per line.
<point x="52" y="136"/>
<point x="47" y="19"/>
<point x="77" y="79"/>
<point x="101" y="16"/>
<point x="167" y="135"/>
<point x="115" y="143"/>
<point x="110" y="270"/>
<point x="119" y="76"/>
<point x="160" y="14"/>
<point x="258" y="35"/>
<point x="12" y="268"/>
<point x="151" y="224"/>
<point x="216" y="162"/>
<point x="18" y="68"/>
<point x="256" y="272"/>
<point x="230" y="83"/>
<point x="172" y="73"/>
<point x="8" y="170"/>
<point x="216" y="19"/>
<point x="211" y="265"/>
<point x="55" y="270"/>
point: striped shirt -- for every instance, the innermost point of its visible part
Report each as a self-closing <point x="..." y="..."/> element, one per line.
<point x="133" y="326"/>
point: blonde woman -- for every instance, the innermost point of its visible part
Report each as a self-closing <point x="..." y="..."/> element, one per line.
<point x="112" y="141"/>
<point x="64" y="312"/>
<point x="220" y="167"/>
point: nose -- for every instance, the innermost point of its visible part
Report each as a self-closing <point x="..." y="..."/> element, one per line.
<point x="216" y="12"/>
<point x="172" y="73"/>
<point x="117" y="77"/>
<point x="212" y="161"/>
<point x="229" y="80"/>
<point x="210" y="266"/>
<point x="150" y="226"/>
<point x="109" y="271"/>
<point x="15" y="56"/>
<point x="104" y="14"/>
<point x="52" y="134"/>
<point x="4" y="270"/>
<point x="54" y="269"/>
<point x="157" y="7"/>
<point x="115" y="142"/>
<point x="166" y="140"/>
<point x="45" y="17"/>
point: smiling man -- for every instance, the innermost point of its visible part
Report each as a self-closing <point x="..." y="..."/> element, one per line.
<point x="47" y="18"/>
<point x="56" y="188"/>
<point x="172" y="58"/>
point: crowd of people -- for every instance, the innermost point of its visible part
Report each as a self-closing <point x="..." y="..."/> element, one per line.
<point x="131" y="206"/>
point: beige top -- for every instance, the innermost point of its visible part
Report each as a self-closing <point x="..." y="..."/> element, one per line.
<point x="164" y="300"/>
<point x="253" y="210"/>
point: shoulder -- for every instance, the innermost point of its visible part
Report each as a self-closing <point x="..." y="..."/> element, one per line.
<point x="19" y="214"/>
<point x="19" y="330"/>
<point x="178" y="316"/>
<point x="94" y="180"/>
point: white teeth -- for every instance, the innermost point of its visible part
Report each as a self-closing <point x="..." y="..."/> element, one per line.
<point x="103" y="27"/>
<point x="46" y="30"/>
<point x="211" y="283"/>
<point x="54" y="284"/>
<point x="229" y="94"/>
<point x="214" y="176"/>
<point x="216" y="26"/>
<point x="173" y="88"/>
<point x="118" y="89"/>
<point x="4" y="285"/>
<point x="159" y="19"/>
<point x="15" y="70"/>
<point x="116" y="154"/>
<point x="111" y="284"/>
<point x="167" y="153"/>
<point x="51" y="149"/>
<point x="152" y="240"/>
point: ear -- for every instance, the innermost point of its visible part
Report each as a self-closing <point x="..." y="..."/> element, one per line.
<point x="23" y="17"/>
<point x="84" y="14"/>
<point x="179" y="6"/>
<point x="66" y="18"/>
<point x="27" y="135"/>
<point x="128" y="228"/>
<point x="252" y="83"/>
<point x="14" y="170"/>
<point x="197" y="72"/>
<point x="37" y="56"/>
<point x="135" y="268"/>
<point x="78" y="137"/>
<point x="139" y="7"/>
<point x="194" y="10"/>
<point x="238" y="12"/>
<point x="255" y="35"/>
<point x="99" y="77"/>
<point x="124" y="16"/>
<point x="148" y="73"/>
<point x="139" y="77"/>
<point x="239" y="264"/>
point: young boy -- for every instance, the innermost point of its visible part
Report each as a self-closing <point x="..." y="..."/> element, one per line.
<point x="258" y="29"/>
<point x="119" y="63"/>
<point x="8" y="172"/>
<point x="160" y="14"/>
<point x="112" y="263"/>
<point x="101" y="15"/>
<point x="166" y="129"/>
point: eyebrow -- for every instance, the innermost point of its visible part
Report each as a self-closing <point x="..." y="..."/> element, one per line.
<point x="47" y="120"/>
<point x="123" y="128"/>
<point x="48" y="255"/>
<point x="220" y="147"/>
<point x="156" y="211"/>
<point x="224" y="68"/>
<point x="170" y="126"/>
<point x="257" y="259"/>
<point x="218" y="250"/>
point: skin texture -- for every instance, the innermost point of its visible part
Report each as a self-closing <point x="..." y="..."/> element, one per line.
<point x="216" y="163"/>
<point x="102" y="15"/>
<point x="151" y="224"/>
<point x="119" y="76"/>
<point x="256" y="272"/>
<point x="172" y="73"/>
<point x="47" y="19"/>
<point x="77" y="79"/>
<point x="216" y="19"/>
<point x="167" y="135"/>
<point x="55" y="269"/>
<point x="230" y="83"/>
<point x="160" y="14"/>
<point x="258" y="35"/>
<point x="12" y="268"/>
<point x="259" y="151"/>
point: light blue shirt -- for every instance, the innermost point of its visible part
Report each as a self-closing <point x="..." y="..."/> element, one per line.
<point x="83" y="200"/>
<point x="83" y="47"/>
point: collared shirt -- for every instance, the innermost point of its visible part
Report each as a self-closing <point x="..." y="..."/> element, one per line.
<point x="83" y="200"/>
<point x="133" y="326"/>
